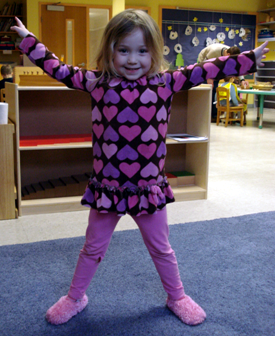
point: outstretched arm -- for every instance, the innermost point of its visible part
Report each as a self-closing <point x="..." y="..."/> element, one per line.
<point x="72" y="77"/>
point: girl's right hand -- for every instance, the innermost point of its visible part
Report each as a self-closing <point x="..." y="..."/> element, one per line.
<point x="21" y="30"/>
<point x="260" y="53"/>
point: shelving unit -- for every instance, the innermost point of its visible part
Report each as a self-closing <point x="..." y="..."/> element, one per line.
<point x="264" y="23"/>
<point x="34" y="114"/>
<point x="14" y="54"/>
<point x="267" y="74"/>
<point x="8" y="193"/>
<point x="266" y="18"/>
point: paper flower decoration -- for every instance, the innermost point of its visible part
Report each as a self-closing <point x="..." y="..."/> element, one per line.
<point x="195" y="19"/>
<point x="221" y="36"/>
<point x="209" y="41"/>
<point x="188" y="30"/>
<point x="199" y="29"/>
<point x="242" y="32"/>
<point x="169" y="27"/>
<point x="240" y="43"/>
<point x="231" y="34"/>
<point x="166" y="50"/>
<point x="195" y="41"/>
<point x="205" y="29"/>
<point x="212" y="28"/>
<point x="237" y="31"/>
<point x="221" y="20"/>
<point x="178" y="48"/>
<point x="173" y="35"/>
<point x="215" y="41"/>
<point x="227" y="29"/>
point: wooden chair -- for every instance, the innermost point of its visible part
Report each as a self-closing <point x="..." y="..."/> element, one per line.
<point x="227" y="112"/>
<point x="2" y="97"/>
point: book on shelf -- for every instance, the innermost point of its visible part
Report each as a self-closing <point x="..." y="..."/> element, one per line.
<point x="5" y="9"/>
<point x="184" y="177"/>
<point x="180" y="178"/>
<point x="7" y="25"/>
<point x="185" y="137"/>
<point x="11" y="9"/>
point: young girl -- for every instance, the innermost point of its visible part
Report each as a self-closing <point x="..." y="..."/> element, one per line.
<point x="131" y="96"/>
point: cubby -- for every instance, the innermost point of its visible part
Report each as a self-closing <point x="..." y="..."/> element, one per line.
<point x="43" y="112"/>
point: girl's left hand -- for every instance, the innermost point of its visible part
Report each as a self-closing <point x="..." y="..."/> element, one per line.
<point x="259" y="53"/>
<point x="20" y="29"/>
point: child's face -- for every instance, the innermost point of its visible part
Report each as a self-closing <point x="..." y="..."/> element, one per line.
<point x="131" y="57"/>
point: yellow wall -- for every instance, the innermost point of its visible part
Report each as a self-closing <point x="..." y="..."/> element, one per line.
<point x="234" y="5"/>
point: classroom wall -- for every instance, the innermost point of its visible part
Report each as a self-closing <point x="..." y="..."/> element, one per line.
<point x="234" y="5"/>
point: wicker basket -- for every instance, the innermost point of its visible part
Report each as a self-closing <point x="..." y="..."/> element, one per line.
<point x="262" y="86"/>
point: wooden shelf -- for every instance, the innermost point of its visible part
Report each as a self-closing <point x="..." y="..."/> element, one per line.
<point x="266" y="23"/>
<point x="266" y="39"/>
<point x="70" y="204"/>
<point x="266" y="10"/>
<point x="10" y="16"/>
<point x="85" y="145"/>
<point x="190" y="114"/>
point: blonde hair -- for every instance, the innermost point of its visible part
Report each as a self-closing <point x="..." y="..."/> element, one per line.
<point x="118" y="28"/>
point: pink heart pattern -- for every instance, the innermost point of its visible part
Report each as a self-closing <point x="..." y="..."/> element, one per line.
<point x="147" y="150"/>
<point x="129" y="125"/>
<point x="130" y="96"/>
<point x="129" y="169"/>
<point x="110" y="112"/>
<point x="129" y="132"/>
<point x="147" y="113"/>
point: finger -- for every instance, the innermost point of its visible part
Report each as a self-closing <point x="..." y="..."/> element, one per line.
<point x="15" y="28"/>
<point x="19" y="22"/>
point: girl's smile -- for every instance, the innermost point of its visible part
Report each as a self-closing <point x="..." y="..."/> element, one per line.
<point x="131" y="57"/>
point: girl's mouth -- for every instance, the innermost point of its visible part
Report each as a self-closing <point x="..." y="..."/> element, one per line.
<point x="131" y="69"/>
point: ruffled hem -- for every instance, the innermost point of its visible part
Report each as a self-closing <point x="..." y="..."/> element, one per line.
<point x="127" y="200"/>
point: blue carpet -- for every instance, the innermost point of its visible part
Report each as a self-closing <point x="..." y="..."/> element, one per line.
<point x="226" y="265"/>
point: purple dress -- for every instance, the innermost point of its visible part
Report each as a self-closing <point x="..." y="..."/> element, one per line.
<point x="129" y="125"/>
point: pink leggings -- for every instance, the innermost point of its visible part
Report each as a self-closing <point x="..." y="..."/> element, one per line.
<point x="155" y="231"/>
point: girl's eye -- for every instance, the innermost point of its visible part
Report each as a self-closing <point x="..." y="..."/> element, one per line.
<point x="143" y="51"/>
<point x="123" y="50"/>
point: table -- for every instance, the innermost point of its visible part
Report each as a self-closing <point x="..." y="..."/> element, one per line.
<point x="261" y="94"/>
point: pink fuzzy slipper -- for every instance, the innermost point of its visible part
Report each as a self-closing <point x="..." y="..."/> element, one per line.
<point x="187" y="310"/>
<point x="65" y="309"/>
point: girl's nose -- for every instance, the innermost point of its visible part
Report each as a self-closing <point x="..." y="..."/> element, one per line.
<point x="132" y="59"/>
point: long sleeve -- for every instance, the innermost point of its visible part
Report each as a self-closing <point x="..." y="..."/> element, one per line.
<point x="217" y="69"/>
<point x="72" y="77"/>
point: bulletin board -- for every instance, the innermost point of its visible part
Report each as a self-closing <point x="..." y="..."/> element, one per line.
<point x="186" y="32"/>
